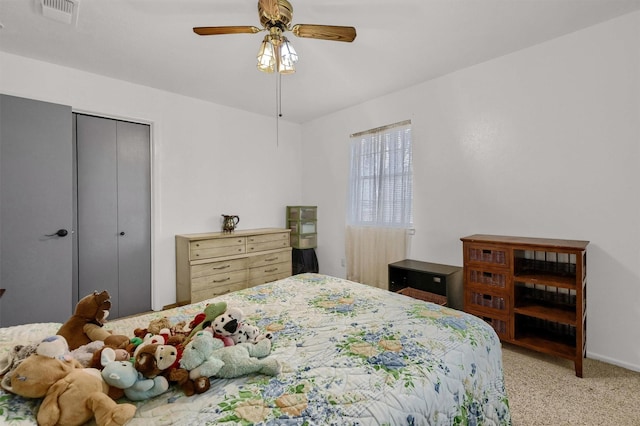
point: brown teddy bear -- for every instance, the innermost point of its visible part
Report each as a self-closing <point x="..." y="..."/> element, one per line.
<point x="154" y="359"/>
<point x="86" y="324"/>
<point x="158" y="324"/>
<point x="72" y="395"/>
<point x="151" y="359"/>
<point x="173" y="333"/>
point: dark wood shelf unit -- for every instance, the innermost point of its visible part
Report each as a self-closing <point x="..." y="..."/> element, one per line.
<point x="531" y="290"/>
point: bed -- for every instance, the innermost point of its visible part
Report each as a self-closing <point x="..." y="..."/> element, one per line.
<point x="351" y="355"/>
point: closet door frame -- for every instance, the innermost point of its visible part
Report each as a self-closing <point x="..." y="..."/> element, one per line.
<point x="118" y="276"/>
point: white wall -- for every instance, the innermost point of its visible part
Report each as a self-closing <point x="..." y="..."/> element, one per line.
<point x="543" y="142"/>
<point x="208" y="160"/>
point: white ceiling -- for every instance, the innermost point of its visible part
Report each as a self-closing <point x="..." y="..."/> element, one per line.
<point x="399" y="43"/>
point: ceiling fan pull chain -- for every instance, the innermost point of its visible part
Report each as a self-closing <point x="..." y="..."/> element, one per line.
<point x="279" y="94"/>
<point x="278" y="107"/>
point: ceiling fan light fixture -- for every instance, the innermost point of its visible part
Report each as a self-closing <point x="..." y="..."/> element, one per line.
<point x="288" y="58"/>
<point x="267" y="56"/>
<point x="276" y="53"/>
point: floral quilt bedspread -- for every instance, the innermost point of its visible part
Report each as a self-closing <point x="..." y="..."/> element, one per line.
<point x="351" y="355"/>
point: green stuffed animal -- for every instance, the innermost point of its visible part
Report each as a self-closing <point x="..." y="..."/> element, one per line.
<point x="206" y="356"/>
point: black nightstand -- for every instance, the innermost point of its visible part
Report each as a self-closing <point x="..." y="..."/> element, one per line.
<point x="440" y="280"/>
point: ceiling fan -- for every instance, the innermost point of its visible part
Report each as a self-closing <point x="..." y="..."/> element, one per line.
<point x="276" y="52"/>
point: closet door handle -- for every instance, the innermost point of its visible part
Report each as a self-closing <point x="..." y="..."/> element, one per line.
<point x="58" y="233"/>
<point x="122" y="233"/>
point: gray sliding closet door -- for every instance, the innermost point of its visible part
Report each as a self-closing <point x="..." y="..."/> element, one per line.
<point x="114" y="212"/>
<point x="36" y="200"/>
<point x="134" y="218"/>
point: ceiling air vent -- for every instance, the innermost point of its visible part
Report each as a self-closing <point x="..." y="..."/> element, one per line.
<point x="65" y="11"/>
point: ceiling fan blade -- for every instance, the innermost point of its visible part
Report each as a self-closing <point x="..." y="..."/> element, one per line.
<point x="325" y="32"/>
<point x="204" y="31"/>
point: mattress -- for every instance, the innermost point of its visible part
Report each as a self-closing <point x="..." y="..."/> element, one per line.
<point x="351" y="354"/>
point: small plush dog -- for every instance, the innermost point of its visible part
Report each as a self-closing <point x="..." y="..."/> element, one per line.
<point x="248" y="333"/>
<point x="225" y="325"/>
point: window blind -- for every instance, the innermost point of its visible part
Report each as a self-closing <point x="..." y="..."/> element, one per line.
<point x="381" y="177"/>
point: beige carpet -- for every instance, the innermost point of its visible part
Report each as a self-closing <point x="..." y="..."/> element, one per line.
<point x="544" y="390"/>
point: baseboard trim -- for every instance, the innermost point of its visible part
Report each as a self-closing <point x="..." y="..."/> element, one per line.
<point x="613" y="361"/>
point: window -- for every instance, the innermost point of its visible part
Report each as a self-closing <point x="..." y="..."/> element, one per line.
<point x="381" y="177"/>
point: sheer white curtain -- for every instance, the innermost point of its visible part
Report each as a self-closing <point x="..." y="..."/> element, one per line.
<point x="380" y="202"/>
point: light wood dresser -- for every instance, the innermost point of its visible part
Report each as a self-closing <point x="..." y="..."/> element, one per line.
<point x="211" y="264"/>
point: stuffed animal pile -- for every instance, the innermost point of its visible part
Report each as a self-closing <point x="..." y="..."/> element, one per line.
<point x="83" y="372"/>
<point x="72" y="395"/>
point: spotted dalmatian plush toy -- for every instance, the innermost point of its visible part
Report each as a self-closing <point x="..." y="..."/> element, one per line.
<point x="225" y="325"/>
<point x="248" y="333"/>
<point x="231" y="328"/>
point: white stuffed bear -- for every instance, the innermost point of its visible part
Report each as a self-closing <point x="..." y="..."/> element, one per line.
<point x="206" y="356"/>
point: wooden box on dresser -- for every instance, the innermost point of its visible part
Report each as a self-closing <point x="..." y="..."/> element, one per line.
<point x="211" y="264"/>
<point x="531" y="290"/>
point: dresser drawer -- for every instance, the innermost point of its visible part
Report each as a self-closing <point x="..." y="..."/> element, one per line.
<point x="264" y="242"/>
<point x="268" y="277"/>
<point x="487" y="255"/>
<point x="208" y="293"/>
<point x="216" y="247"/>
<point x="271" y="269"/>
<point x="219" y="280"/>
<point x="213" y="268"/>
<point x="270" y="258"/>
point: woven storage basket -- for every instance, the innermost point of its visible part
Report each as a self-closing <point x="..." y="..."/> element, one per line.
<point x="424" y="295"/>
